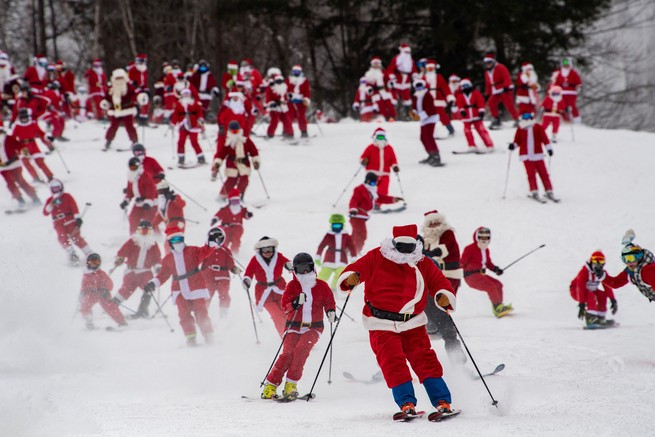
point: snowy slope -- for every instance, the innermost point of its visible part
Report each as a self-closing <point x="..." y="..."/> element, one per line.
<point x="59" y="380"/>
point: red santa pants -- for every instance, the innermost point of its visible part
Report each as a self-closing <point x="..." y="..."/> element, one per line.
<point x="405" y="94"/>
<point x="274" y="307"/>
<point x="482" y="131"/>
<point x="294" y="354"/>
<point x="88" y="299"/>
<point x="221" y="287"/>
<point x="240" y="182"/>
<point x="532" y="168"/>
<point x="93" y="105"/>
<point x="358" y="234"/>
<point x="69" y="234"/>
<point x="387" y="109"/>
<point x="143" y="110"/>
<point x="187" y="309"/>
<point x="597" y="302"/>
<point x="128" y="122"/>
<point x="15" y="181"/>
<point x="427" y="138"/>
<point x="139" y="213"/>
<point x="493" y="287"/>
<point x="40" y="162"/>
<point x="277" y="117"/>
<point x="193" y="137"/>
<point x="56" y="121"/>
<point x="132" y="281"/>
<point x="506" y="100"/>
<point x="553" y="119"/>
<point x="299" y="113"/>
<point x="393" y="350"/>
<point x="233" y="234"/>
<point x="443" y="115"/>
<point x="383" y="184"/>
<point x="570" y="100"/>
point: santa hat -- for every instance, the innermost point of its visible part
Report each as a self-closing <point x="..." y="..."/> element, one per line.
<point x="433" y="216"/>
<point x="489" y="57"/>
<point x="97" y="62"/>
<point x="232" y="65"/>
<point x="555" y="89"/>
<point x="404" y="47"/>
<point x="454" y="78"/>
<point x="433" y="63"/>
<point x="273" y="71"/>
<point x="174" y="232"/>
<point x="405" y="234"/>
<point x="265" y="242"/>
<point x="234" y="92"/>
<point x="119" y="72"/>
<point x="179" y="75"/>
<point x="141" y="57"/>
<point x="59" y="62"/>
<point x="3" y="56"/>
<point x="247" y="61"/>
<point x="41" y="57"/>
<point x="376" y="59"/>
<point x="234" y="194"/>
<point x="526" y="66"/>
<point x="466" y="82"/>
<point x="597" y="256"/>
<point x="186" y="92"/>
<point x="378" y="131"/>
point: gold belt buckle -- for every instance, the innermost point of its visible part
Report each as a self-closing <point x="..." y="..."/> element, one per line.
<point x="406" y="317"/>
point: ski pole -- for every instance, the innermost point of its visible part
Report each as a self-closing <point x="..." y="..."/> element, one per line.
<point x="345" y="314"/>
<point x="359" y="168"/>
<point x="317" y="123"/>
<point x="329" y="347"/>
<point x="87" y="205"/>
<point x="509" y="162"/>
<point x="520" y="258"/>
<point x="278" y="349"/>
<point x="252" y="312"/>
<point x="61" y="157"/>
<point x="494" y="401"/>
<point x="172" y="142"/>
<point x="259" y="173"/>
<point x="186" y="195"/>
<point x="195" y="222"/>
<point x="400" y="185"/>
<point x="330" y="365"/>
<point x="570" y="111"/>
<point x="159" y="310"/>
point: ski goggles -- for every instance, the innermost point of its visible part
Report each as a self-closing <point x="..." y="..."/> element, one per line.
<point x="176" y="239"/>
<point x="304" y="268"/>
<point x="555" y="94"/>
<point x="598" y="260"/>
<point x="93" y="264"/>
<point x="527" y="116"/>
<point x="337" y="226"/>
<point x="380" y="137"/>
<point x="269" y="249"/>
<point x="372" y="183"/>
<point x="632" y="257"/>
<point x="278" y="81"/>
<point x="404" y="247"/>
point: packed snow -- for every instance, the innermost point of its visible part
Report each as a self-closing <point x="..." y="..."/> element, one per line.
<point x="58" y="379"/>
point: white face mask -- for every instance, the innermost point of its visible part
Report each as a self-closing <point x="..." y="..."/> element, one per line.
<point x="187" y="100"/>
<point x="380" y="143"/>
<point x="141" y="67"/>
<point x="178" y="247"/>
<point x="524" y="124"/>
<point x="483" y="244"/>
<point x="307" y="279"/>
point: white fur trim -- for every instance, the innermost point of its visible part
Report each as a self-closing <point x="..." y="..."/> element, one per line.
<point x="404" y="239"/>
<point x="231" y="172"/>
<point x="375" y="324"/>
<point x="266" y="243"/>
<point x="389" y="252"/>
<point x="451" y="299"/>
<point x="454" y="274"/>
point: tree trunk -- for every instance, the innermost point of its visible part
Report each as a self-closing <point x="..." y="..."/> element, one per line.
<point x="42" y="48"/>
<point x="96" y="30"/>
<point x="35" y="44"/>
<point x="53" y="25"/>
<point x="128" y="24"/>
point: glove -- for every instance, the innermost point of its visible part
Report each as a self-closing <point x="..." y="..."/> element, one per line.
<point x="249" y="214"/>
<point x="437" y="252"/>
<point x="364" y="162"/>
<point x="582" y="309"/>
<point x="462" y="113"/>
<point x="50" y="138"/>
<point x="332" y="316"/>
<point x="352" y="213"/>
<point x="482" y="113"/>
<point x="246" y="283"/>
<point x="615" y="306"/>
<point x="395" y="169"/>
<point x="317" y="262"/>
<point x="298" y="301"/>
<point x="498" y="270"/>
<point x="119" y="260"/>
<point x="124" y="204"/>
<point x="216" y="92"/>
<point x="398" y="199"/>
<point x="550" y="152"/>
<point x="628" y="237"/>
<point x="355" y="106"/>
<point x="150" y="287"/>
<point x="443" y="301"/>
<point x="255" y="164"/>
<point x="236" y="270"/>
<point x="353" y="280"/>
<point x="512" y="146"/>
<point x="78" y="222"/>
<point x="288" y="265"/>
<point x="214" y="221"/>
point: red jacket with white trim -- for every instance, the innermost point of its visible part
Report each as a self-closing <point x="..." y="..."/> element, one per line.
<point x="318" y="301"/>
<point x="336" y="245"/>
<point x="362" y="202"/>
<point x="140" y="259"/>
<point x="380" y="160"/>
<point x="497" y="80"/>
<point x="63" y="209"/>
<point x="184" y="267"/>
<point x="587" y="282"/>
<point x="532" y="141"/>
<point x="471" y="104"/>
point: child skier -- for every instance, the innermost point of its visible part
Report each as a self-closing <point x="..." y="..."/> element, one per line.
<point x="216" y="270"/>
<point x="592" y="298"/>
<point x="96" y="288"/>
<point x="230" y="218"/>
<point x="380" y="158"/>
<point x="334" y="250"/>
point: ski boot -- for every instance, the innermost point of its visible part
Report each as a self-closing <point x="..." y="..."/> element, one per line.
<point x="142" y="312"/>
<point x="304" y="135"/>
<point x="451" y="130"/>
<point x="191" y="340"/>
<point x="180" y="161"/>
<point x="502" y="310"/>
<point x="550" y="196"/>
<point x="534" y="195"/>
<point x="495" y="124"/>
<point x="201" y="159"/>
<point x="270" y="391"/>
<point x="426" y="160"/>
<point x="435" y="160"/>
<point x="554" y="139"/>
<point x="408" y="408"/>
<point x="89" y="325"/>
<point x="73" y="259"/>
<point x="444" y="411"/>
<point x="117" y="300"/>
<point x="36" y="201"/>
<point x="107" y="146"/>
<point x="21" y="204"/>
<point x="290" y="389"/>
<point x="209" y="338"/>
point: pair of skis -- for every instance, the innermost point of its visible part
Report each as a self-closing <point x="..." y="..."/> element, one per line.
<point x="437" y="416"/>
<point x="284" y="399"/>
<point x="377" y="377"/>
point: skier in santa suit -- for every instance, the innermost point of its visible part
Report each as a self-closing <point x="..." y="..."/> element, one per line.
<point x="475" y="262"/>
<point x="36" y="75"/>
<point x="96" y="80"/>
<point x="96" y="288"/>
<point x="443" y="97"/>
<point x="424" y="110"/>
<point x="11" y="170"/>
<point x="229" y="78"/>
<point x="527" y="89"/>
<point x="142" y="256"/>
<point x="454" y="86"/>
<point x="66" y="79"/>
<point x="277" y="104"/>
<point x="379" y="81"/>
<point x="591" y="296"/>
<point x="188" y="288"/>
<point x="216" y="270"/>
<point x="380" y="158"/>
<point x="531" y="139"/>
<point x="237" y="107"/>
<point x="252" y="82"/>
<point x="36" y="103"/>
<point x="8" y="82"/>
<point x="54" y="114"/>
<point x="470" y="105"/>
<point x="188" y="119"/>
<point x="363" y="103"/>
<point x="300" y="98"/>
<point x="150" y="164"/>
<point x="364" y="197"/>
<point x="498" y="89"/>
<point x="398" y="282"/>
<point x="266" y="268"/>
<point x="138" y="77"/>
<point x="120" y="105"/>
<point x="142" y="189"/>
<point x="305" y="300"/>
<point x="230" y="219"/>
<point x="204" y="81"/>
<point x="403" y="69"/>
<point x="334" y="251"/>
<point x="170" y="207"/>
<point x="167" y="87"/>
<point x="551" y="106"/>
<point x="568" y="79"/>
<point x="639" y="269"/>
<point x="66" y="220"/>
<point x="25" y="132"/>
<point x="237" y="152"/>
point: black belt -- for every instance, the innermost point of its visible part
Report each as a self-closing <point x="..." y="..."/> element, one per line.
<point x="451" y="265"/>
<point x="187" y="275"/>
<point x="388" y="315"/>
<point x="218" y="268"/>
<point x="473" y="272"/>
<point x="176" y="218"/>
<point x="305" y="324"/>
<point x="268" y="284"/>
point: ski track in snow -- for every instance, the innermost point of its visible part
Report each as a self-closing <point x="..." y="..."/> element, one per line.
<point x="59" y="380"/>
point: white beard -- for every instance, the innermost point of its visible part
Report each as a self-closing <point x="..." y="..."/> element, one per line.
<point x="144" y="241"/>
<point x="375" y="76"/>
<point x="133" y="176"/>
<point x="389" y="252"/>
<point x="432" y="234"/>
<point x="238" y="107"/>
<point x="187" y="101"/>
<point x="141" y="67"/>
<point x="179" y="86"/>
<point x="235" y="209"/>
<point x="233" y="139"/>
<point x="525" y="124"/>
<point x="380" y="143"/>
<point x="281" y="89"/>
<point x="482" y="245"/>
<point x="98" y="70"/>
<point x="557" y="99"/>
<point x="404" y="62"/>
<point x="118" y="89"/>
<point x="307" y="280"/>
<point x="373" y="191"/>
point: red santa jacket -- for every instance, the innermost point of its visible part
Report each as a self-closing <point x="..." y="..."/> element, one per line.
<point x="152" y="167"/>
<point x="449" y="260"/>
<point x="228" y="81"/>
<point x="267" y="277"/>
<point x="123" y="107"/>
<point x="37" y="77"/>
<point x="337" y="246"/>
<point x="380" y="160"/>
<point x="226" y="218"/>
<point x="318" y="301"/>
<point x="587" y="282"/>
<point x="173" y="212"/>
<point x="497" y="80"/>
<point x="144" y="190"/>
<point x="204" y="83"/>
<point x="299" y="90"/>
<point x="402" y="74"/>
<point x="551" y="107"/>
<point x="526" y="89"/>
<point x="531" y="142"/>
<point x="62" y="208"/>
<point x="25" y="134"/>
<point x="9" y="154"/>
<point x="138" y="78"/>
<point x="140" y="258"/>
<point x="364" y="100"/>
<point x="471" y="105"/>
<point x="96" y="282"/>
<point x="646" y="275"/>
<point x="37" y="104"/>
<point x="392" y="285"/>
<point x="423" y="104"/>
<point x="277" y="101"/>
<point x="96" y="83"/>
<point x="237" y="156"/>
<point x="216" y="267"/>
<point x="54" y="99"/>
<point x="66" y="79"/>
<point x="568" y="80"/>
<point x="439" y="89"/>
<point x="476" y="260"/>
<point x="188" y="116"/>
<point x="185" y="268"/>
<point x="236" y="111"/>
<point x="362" y="201"/>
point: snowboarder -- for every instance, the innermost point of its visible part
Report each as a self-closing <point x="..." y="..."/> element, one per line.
<point x="470" y="104"/>
<point x="305" y="300"/>
<point x="475" y="262"/>
<point x="300" y="98"/>
<point x="11" y="170"/>
<point x="142" y="189"/>
<point x="424" y="110"/>
<point x="498" y="89"/>
<point x="120" y="104"/>
<point x="639" y="269"/>
<point x="380" y="158"/>
<point x="592" y="298"/>
<point x="237" y="152"/>
<point x="188" y="119"/>
<point x="216" y="270"/>
<point x="96" y="288"/>
<point x="230" y="219"/>
<point x="398" y="281"/>
<point x="568" y="79"/>
<point x="265" y="268"/>
<point x="334" y="251"/>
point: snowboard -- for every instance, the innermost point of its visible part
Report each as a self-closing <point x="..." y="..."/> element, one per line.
<point x="599" y="326"/>
<point x="405" y="417"/>
<point x="440" y="417"/>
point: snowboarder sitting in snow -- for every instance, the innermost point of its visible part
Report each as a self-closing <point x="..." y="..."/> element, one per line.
<point x="96" y="288"/>
<point x="305" y="299"/>
<point x="591" y="297"/>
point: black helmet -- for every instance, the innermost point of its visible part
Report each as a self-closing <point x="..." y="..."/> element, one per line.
<point x="138" y="149"/>
<point x="216" y="234"/>
<point x="134" y="162"/>
<point x="144" y="224"/>
<point x="303" y="263"/>
<point x="93" y="261"/>
<point x="24" y="114"/>
<point x="371" y="178"/>
<point x="24" y="86"/>
<point x="234" y="125"/>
